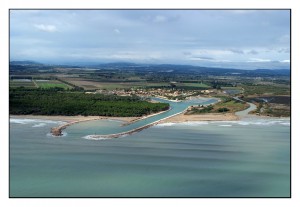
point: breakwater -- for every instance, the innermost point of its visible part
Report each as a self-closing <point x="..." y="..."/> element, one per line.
<point x="57" y="131"/>
<point x="136" y="126"/>
<point x="116" y="135"/>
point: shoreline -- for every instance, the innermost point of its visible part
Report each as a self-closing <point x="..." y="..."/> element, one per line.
<point x="73" y="118"/>
<point x="203" y="117"/>
<point x="176" y="118"/>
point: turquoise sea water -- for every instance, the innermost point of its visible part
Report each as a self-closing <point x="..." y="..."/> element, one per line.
<point x="247" y="158"/>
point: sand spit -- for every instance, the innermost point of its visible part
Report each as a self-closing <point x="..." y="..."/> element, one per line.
<point x="201" y="117"/>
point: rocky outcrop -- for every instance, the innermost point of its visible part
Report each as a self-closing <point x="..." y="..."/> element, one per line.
<point x="56" y="131"/>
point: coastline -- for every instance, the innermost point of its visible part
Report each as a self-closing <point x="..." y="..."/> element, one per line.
<point x="201" y="117"/>
<point x="73" y="118"/>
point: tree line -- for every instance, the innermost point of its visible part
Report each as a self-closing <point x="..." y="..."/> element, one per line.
<point x="56" y="102"/>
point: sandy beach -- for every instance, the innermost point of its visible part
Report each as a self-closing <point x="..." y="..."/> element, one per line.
<point x="201" y="117"/>
<point x="73" y="118"/>
<point x="174" y="119"/>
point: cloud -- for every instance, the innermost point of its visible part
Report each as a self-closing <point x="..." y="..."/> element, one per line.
<point x="252" y="52"/>
<point x="160" y="18"/>
<point x="202" y="58"/>
<point x="285" y="39"/>
<point x="46" y="28"/>
<point x="242" y="11"/>
<point x="117" y="31"/>
<point x="237" y="51"/>
<point x="259" y="60"/>
<point x="187" y="53"/>
<point x="285" y="61"/>
<point x="283" y="50"/>
<point x="172" y="36"/>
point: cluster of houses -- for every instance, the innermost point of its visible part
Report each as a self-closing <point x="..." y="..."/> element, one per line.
<point x="156" y="92"/>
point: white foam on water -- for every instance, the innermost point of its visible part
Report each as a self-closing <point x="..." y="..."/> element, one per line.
<point x="64" y="134"/>
<point x="114" y="120"/>
<point x="32" y="121"/>
<point x="92" y="137"/>
<point x="225" y="125"/>
<point x="164" y="125"/>
<point x="39" y="125"/>
<point x="263" y="122"/>
<point x="244" y="123"/>
<point x="124" y="135"/>
<point x="193" y="123"/>
<point x="286" y="124"/>
<point x="21" y="121"/>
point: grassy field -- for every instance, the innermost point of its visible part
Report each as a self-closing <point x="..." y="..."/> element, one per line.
<point x="232" y="105"/>
<point x="52" y="84"/>
<point x="198" y="85"/>
<point x="89" y="84"/>
<point x="20" y="83"/>
<point x="226" y="105"/>
<point x="266" y="89"/>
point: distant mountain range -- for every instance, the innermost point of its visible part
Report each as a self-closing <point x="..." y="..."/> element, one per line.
<point x="158" y="67"/>
<point x="25" y="62"/>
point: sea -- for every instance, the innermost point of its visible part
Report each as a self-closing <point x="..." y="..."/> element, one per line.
<point x="245" y="158"/>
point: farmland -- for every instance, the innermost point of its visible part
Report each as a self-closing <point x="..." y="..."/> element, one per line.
<point x="176" y="82"/>
<point x="90" y="84"/>
<point x="26" y="83"/>
<point x="38" y="83"/>
<point x="51" y="84"/>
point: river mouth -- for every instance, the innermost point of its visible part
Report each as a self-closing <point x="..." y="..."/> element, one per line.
<point x="118" y="130"/>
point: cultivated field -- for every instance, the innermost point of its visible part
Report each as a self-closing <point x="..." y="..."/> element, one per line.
<point x="51" y="84"/>
<point x="26" y="83"/>
<point x="89" y="84"/>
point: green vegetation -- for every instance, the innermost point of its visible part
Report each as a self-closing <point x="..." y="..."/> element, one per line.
<point x="251" y="89"/>
<point x="174" y="81"/>
<point x="20" y="83"/>
<point x="51" y="84"/>
<point x="55" y="102"/>
<point x="271" y="109"/>
<point x="202" y="110"/>
<point x="226" y="105"/>
<point x="223" y="109"/>
<point x="230" y="105"/>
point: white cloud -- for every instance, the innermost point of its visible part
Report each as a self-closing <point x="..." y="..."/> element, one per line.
<point x="46" y="28"/>
<point x="259" y="60"/>
<point x="242" y="11"/>
<point x="285" y="61"/>
<point x="285" y="39"/>
<point x="117" y="31"/>
<point x="160" y="18"/>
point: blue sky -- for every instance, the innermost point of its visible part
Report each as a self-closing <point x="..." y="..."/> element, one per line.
<point x="228" y="38"/>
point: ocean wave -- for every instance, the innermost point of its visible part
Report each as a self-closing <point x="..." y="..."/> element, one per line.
<point x="267" y="122"/>
<point x="257" y="122"/>
<point x="187" y="123"/>
<point x="193" y="123"/>
<point x="33" y="121"/>
<point x="244" y="123"/>
<point x="225" y="125"/>
<point x="39" y="125"/>
<point x="92" y="137"/>
<point x="164" y="125"/>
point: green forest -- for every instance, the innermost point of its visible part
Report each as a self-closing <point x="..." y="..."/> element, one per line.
<point x="56" y="102"/>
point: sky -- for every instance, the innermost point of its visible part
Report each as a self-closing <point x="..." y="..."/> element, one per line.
<point x="246" y="39"/>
